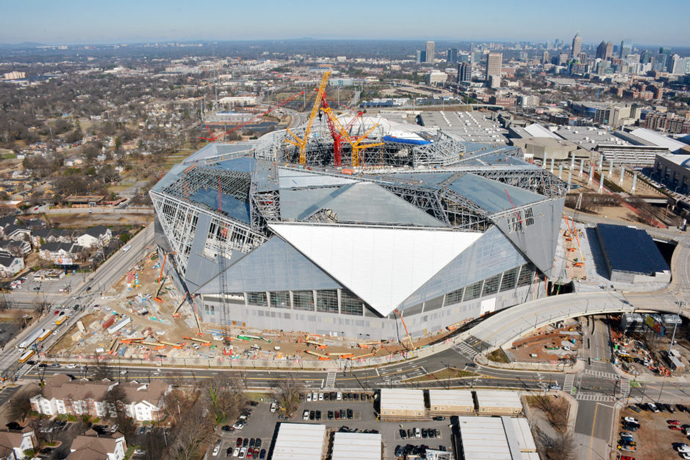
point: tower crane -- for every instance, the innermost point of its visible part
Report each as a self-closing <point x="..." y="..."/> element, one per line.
<point x="213" y="138"/>
<point x="302" y="142"/>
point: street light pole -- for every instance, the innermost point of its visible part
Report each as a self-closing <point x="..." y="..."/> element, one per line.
<point x="675" y="325"/>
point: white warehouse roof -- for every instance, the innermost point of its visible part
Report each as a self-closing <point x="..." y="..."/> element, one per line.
<point x="498" y="398"/>
<point x="522" y="432"/>
<point x="360" y="446"/>
<point x="494" y="438"/>
<point x="299" y="441"/>
<point x="382" y="266"/>
<point x="402" y="399"/>
<point x="448" y="398"/>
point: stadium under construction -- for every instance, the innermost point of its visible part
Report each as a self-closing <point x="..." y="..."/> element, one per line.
<point x="297" y="231"/>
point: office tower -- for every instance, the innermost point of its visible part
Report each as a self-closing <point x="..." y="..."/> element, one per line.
<point x="609" y="51"/>
<point x="577" y="46"/>
<point x="430" y="52"/>
<point x="601" y="50"/>
<point x="421" y="56"/>
<point x="545" y="57"/>
<point x="665" y="50"/>
<point x="660" y="62"/>
<point x="646" y="57"/>
<point x="626" y="48"/>
<point x="494" y="61"/>
<point x="452" y="56"/>
<point x="464" y="72"/>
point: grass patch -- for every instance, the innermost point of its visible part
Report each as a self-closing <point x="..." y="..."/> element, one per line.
<point x="498" y="356"/>
<point x="444" y="374"/>
<point x="9" y="156"/>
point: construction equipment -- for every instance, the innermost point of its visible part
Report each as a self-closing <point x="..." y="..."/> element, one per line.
<point x="338" y="132"/>
<point x="162" y="267"/>
<point x="176" y="313"/>
<point x="358" y="147"/>
<point x="302" y="143"/>
<point x="319" y="355"/>
<point x="213" y="138"/>
<point x="409" y="337"/>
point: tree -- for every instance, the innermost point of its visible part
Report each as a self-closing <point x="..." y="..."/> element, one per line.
<point x="20" y="404"/>
<point x="191" y="434"/>
<point x="287" y="393"/>
<point x="125" y="237"/>
<point x="225" y="396"/>
<point x="102" y="372"/>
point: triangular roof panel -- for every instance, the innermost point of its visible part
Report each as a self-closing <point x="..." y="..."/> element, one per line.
<point x="382" y="266"/>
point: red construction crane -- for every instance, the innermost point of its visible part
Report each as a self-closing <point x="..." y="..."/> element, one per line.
<point x="335" y="133"/>
<point x="213" y="138"/>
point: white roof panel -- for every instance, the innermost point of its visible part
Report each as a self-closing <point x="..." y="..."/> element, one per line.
<point x="291" y="178"/>
<point x="402" y="399"/>
<point x="524" y="435"/>
<point x="360" y="446"/>
<point x="658" y="139"/>
<point x="450" y="398"/>
<point x="498" y="398"/>
<point x="299" y="441"/>
<point x="383" y="266"/>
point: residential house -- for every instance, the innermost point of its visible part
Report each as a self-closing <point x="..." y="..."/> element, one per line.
<point x="16" y="248"/>
<point x="10" y="265"/>
<point x="14" y="444"/>
<point x="61" y="253"/>
<point x="61" y="395"/>
<point x="94" y="447"/>
<point x="17" y="233"/>
<point x="95" y="237"/>
<point x="5" y="221"/>
<point x="51" y="235"/>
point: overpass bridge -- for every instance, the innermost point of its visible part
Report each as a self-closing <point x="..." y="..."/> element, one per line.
<point x="508" y="325"/>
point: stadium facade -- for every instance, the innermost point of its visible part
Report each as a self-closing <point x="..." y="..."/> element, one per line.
<point x="428" y="227"/>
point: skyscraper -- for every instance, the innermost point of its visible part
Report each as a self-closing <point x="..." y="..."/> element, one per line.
<point x="601" y="50"/>
<point x="464" y="72"/>
<point x="609" y="51"/>
<point x="421" y="56"/>
<point x="452" y="56"/>
<point x="577" y="46"/>
<point x="430" y="51"/>
<point x="494" y="61"/>
<point x="545" y="57"/>
<point x="626" y="48"/>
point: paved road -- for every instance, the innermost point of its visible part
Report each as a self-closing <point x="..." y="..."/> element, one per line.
<point x="109" y="272"/>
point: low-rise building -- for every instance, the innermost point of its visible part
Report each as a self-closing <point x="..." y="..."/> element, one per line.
<point x="14" y="444"/>
<point x="498" y="402"/>
<point x="360" y="446"/>
<point x="495" y="438"/>
<point x="61" y="253"/>
<point x="450" y="402"/>
<point x="402" y="404"/>
<point x="94" y="237"/>
<point x="93" y="447"/>
<point x="300" y="441"/>
<point x="61" y="395"/>
<point x="10" y="264"/>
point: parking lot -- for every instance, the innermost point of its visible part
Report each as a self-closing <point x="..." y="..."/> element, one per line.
<point x="659" y="433"/>
<point x="355" y="413"/>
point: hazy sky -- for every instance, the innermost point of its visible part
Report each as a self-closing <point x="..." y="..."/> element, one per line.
<point x="660" y="22"/>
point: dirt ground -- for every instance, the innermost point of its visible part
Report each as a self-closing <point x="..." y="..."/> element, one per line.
<point x="654" y="438"/>
<point x="89" y="220"/>
<point x="153" y="323"/>
<point x="548" y="344"/>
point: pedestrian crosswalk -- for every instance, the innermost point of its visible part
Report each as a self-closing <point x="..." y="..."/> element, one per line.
<point x="601" y="374"/>
<point x="568" y="383"/>
<point x="594" y="397"/>
<point x="330" y="381"/>
<point x="465" y="350"/>
<point x="625" y="388"/>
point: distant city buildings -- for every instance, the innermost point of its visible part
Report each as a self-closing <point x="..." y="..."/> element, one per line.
<point x="15" y="76"/>
<point x="494" y="62"/>
<point x="464" y="72"/>
<point x="430" y="52"/>
<point x="605" y="50"/>
<point x="577" y="46"/>
<point x="452" y="56"/>
<point x="626" y="48"/>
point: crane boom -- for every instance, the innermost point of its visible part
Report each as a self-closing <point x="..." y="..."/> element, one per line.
<point x="302" y="143"/>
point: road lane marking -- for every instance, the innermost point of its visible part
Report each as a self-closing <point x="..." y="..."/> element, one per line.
<point x="591" y="437"/>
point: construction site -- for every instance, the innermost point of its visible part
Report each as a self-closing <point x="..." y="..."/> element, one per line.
<point x="358" y="227"/>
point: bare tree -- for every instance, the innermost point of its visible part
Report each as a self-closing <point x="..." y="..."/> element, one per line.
<point x="287" y="393"/>
<point x="191" y="434"/>
<point x="102" y="372"/>
<point x="225" y="396"/>
<point x="19" y="406"/>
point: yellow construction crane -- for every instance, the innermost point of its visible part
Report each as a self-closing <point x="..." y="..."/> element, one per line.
<point x="357" y="147"/>
<point x="302" y="143"/>
<point x="356" y="142"/>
